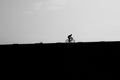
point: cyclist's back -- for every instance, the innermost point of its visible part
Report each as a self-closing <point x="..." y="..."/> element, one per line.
<point x="69" y="36"/>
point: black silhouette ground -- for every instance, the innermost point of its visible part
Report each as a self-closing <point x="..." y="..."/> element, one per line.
<point x="89" y="60"/>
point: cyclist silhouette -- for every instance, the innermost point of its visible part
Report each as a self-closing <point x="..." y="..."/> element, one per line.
<point x="70" y="39"/>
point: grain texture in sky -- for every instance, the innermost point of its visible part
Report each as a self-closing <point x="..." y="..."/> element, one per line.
<point x="33" y="21"/>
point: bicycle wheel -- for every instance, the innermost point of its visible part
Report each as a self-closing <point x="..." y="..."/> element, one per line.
<point x="66" y="41"/>
<point x="73" y="41"/>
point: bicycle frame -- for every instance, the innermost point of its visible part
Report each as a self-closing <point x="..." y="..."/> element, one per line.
<point x="71" y="40"/>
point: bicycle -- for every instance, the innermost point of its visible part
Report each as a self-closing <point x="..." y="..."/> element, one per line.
<point x="71" y="40"/>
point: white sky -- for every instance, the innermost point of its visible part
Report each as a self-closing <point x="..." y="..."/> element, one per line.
<point x="29" y="21"/>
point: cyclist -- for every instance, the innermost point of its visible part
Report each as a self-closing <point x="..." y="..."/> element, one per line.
<point x="70" y="38"/>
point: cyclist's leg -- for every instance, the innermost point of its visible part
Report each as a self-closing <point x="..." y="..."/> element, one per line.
<point x="71" y="39"/>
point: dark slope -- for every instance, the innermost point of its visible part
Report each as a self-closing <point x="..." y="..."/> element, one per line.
<point x="95" y="58"/>
<point x="88" y="49"/>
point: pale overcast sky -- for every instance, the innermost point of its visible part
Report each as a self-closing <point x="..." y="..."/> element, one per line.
<point x="48" y="21"/>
